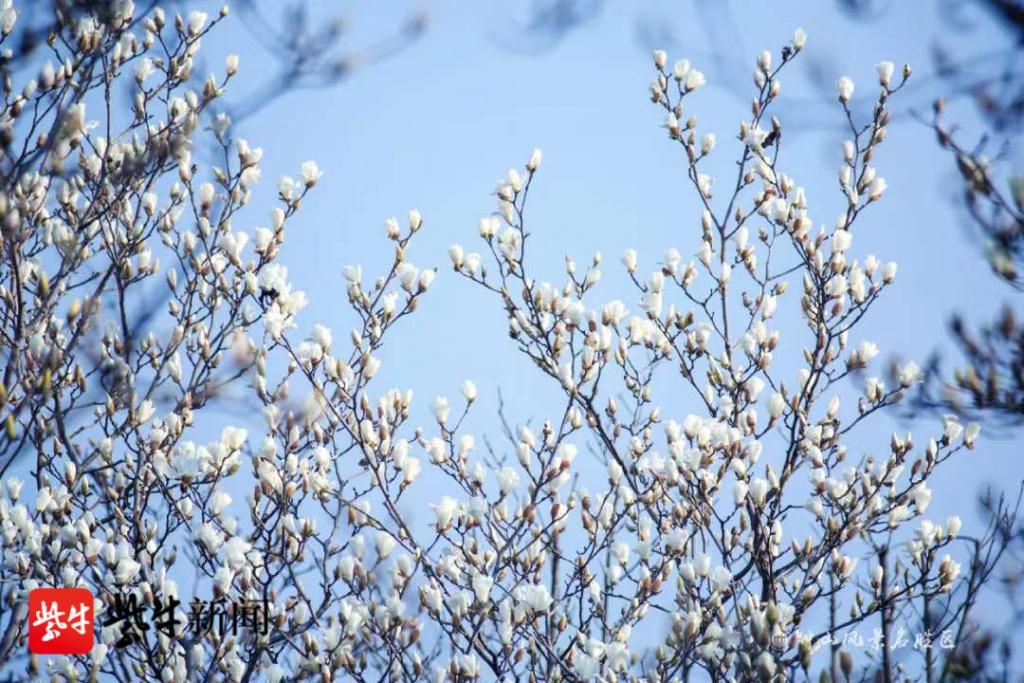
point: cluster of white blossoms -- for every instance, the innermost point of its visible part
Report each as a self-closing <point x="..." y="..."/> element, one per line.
<point x="718" y="520"/>
<point x="748" y="565"/>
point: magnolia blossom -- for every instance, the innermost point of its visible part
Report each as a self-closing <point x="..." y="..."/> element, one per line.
<point x="482" y="584"/>
<point x="311" y="173"/>
<point x="508" y="479"/>
<point x="845" y="87"/>
<point x="445" y="511"/>
<point x="441" y="409"/>
<point x="127" y="569"/>
<point x="219" y="501"/>
<point x="759" y="491"/>
<point x="694" y="79"/>
<point x="885" y="70"/>
<point x="536" y="157"/>
<point x="799" y="39"/>
<point x="909" y="374"/>
<point x="971" y="433"/>
<point x="721" y="578"/>
<point x="235" y="550"/>
<point x="630" y="260"/>
<point x="385" y="543"/>
<point x="536" y="597"/>
<point x="196" y="22"/>
<point x="740" y="490"/>
<point x="953" y="525"/>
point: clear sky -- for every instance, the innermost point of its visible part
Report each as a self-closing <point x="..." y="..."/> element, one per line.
<point x="437" y="125"/>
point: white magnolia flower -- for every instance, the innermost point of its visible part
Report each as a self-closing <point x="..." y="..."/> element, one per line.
<point x="799" y="39"/>
<point x="269" y="476"/>
<point x="535" y="160"/>
<point x="952" y="429"/>
<point x="457" y="255"/>
<point x="534" y="596"/>
<point x="675" y="540"/>
<point x="14" y="486"/>
<point x="885" y="70"/>
<point x="441" y="409"/>
<point x="707" y="143"/>
<point x="845" y="88"/>
<point x="867" y="351"/>
<point x="275" y="673"/>
<point x="144" y="69"/>
<point x="704" y="184"/>
<point x="897" y="515"/>
<point x="415" y="220"/>
<point x="43" y="499"/>
<point x="508" y="479"/>
<point x="210" y="537"/>
<point x="926" y="532"/>
<point x="354" y="274"/>
<point x="311" y="173"/>
<point x="145" y="411"/>
<point x="909" y="374"/>
<point x="482" y="584"/>
<point x="629" y="260"/>
<point x="233" y="438"/>
<point x="445" y="510"/>
<point x="739" y="492"/>
<point x="385" y="543"/>
<point x="877" y="573"/>
<point x="286" y="187"/>
<point x="876" y="189"/>
<point x="922" y="497"/>
<point x="196" y="22"/>
<point x="410" y="470"/>
<point x="759" y="491"/>
<point x="587" y="667"/>
<point x="8" y="17"/>
<point x="766" y="665"/>
<point x="489" y="226"/>
<point x="841" y="240"/>
<point x="949" y="570"/>
<point x="127" y="569"/>
<point x="322" y="336"/>
<point x="953" y="525"/>
<point x="218" y="502"/>
<point x="971" y="433"/>
<point x="235" y="551"/>
<point x="753" y="387"/>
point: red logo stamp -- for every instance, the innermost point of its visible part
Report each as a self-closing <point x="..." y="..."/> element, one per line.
<point x="60" y="621"/>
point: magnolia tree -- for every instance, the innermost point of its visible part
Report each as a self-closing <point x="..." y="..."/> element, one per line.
<point x="991" y="197"/>
<point x="733" y="530"/>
